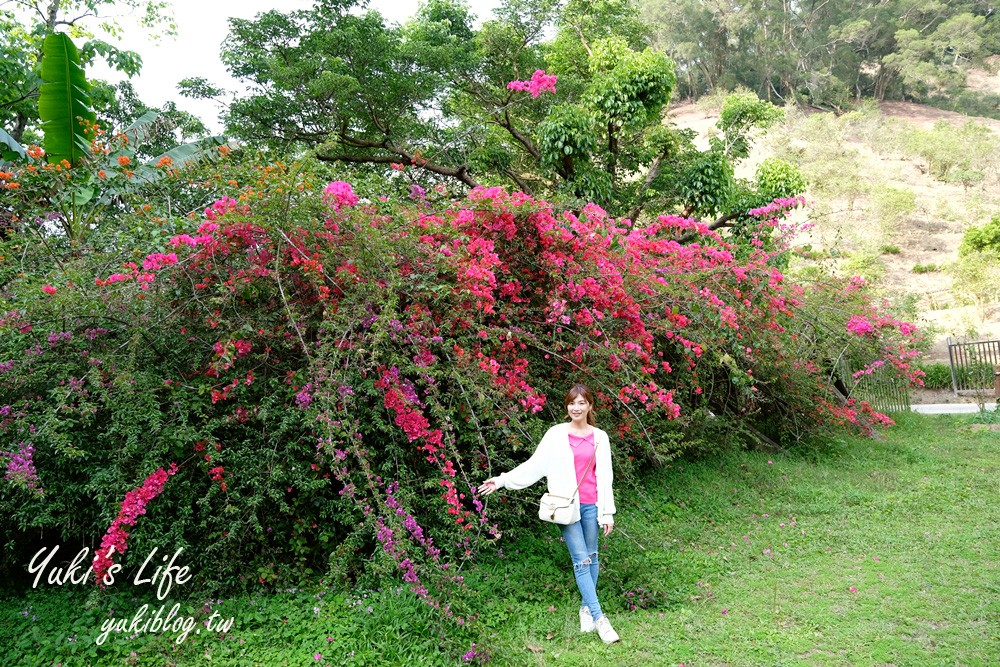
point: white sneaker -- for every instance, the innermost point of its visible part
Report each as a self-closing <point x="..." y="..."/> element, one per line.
<point x="586" y="620"/>
<point x="605" y="631"/>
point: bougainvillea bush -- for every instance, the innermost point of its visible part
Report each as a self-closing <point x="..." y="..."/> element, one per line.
<point x="327" y="378"/>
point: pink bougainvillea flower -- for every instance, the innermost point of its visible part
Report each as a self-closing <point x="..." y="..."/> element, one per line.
<point x="538" y="83"/>
<point x="133" y="506"/>
<point x="339" y="194"/>
<point x="859" y="324"/>
<point x="49" y="289"/>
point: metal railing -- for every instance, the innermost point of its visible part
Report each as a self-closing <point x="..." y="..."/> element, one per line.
<point x="972" y="364"/>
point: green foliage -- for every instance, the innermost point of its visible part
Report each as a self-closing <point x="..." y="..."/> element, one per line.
<point x="777" y="178"/>
<point x="110" y="181"/>
<point x="892" y="205"/>
<point x="11" y="150"/>
<point x="926" y="268"/>
<point x="830" y="164"/>
<point x="22" y="38"/>
<point x="706" y="182"/>
<point x="345" y="627"/>
<point x="985" y="239"/>
<point x="868" y="265"/>
<point x="691" y="540"/>
<point x="976" y="276"/>
<point x="742" y="113"/>
<point x="825" y="53"/>
<point x="629" y="88"/>
<point x="567" y="137"/>
<point x="928" y="60"/>
<point x="963" y="153"/>
<point x="599" y="137"/>
<point x="937" y="375"/>
<point x="890" y="250"/>
<point x="119" y="108"/>
<point x="968" y="103"/>
<point x="64" y="101"/>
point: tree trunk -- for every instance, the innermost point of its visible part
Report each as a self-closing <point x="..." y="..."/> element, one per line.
<point x="20" y="125"/>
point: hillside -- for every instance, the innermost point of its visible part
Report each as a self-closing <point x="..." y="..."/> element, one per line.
<point x="878" y="209"/>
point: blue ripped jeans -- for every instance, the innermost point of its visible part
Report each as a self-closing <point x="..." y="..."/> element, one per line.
<point x="581" y="539"/>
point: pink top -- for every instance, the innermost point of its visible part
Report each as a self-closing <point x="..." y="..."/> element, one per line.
<point x="583" y="454"/>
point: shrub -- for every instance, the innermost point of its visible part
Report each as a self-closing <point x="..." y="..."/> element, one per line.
<point x="891" y="206"/>
<point x="951" y="152"/>
<point x="985" y="238"/>
<point x="866" y="264"/>
<point x="937" y="375"/>
<point x="976" y="276"/>
<point x="336" y="374"/>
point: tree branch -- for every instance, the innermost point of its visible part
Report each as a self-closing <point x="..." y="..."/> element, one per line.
<point x="521" y="184"/>
<point x="654" y="171"/>
<point x="725" y="220"/>
<point x="505" y="122"/>
<point x="613" y="150"/>
<point x="583" y="40"/>
<point x="460" y="173"/>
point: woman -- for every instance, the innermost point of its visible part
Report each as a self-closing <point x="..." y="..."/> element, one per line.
<point x="575" y="459"/>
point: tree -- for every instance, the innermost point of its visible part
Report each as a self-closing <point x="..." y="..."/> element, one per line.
<point x="439" y="98"/>
<point x="81" y="174"/>
<point x="933" y="61"/>
<point x="824" y="52"/>
<point x="22" y="31"/>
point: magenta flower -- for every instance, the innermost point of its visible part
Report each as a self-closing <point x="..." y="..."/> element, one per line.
<point x="539" y="82"/>
<point x="859" y="325"/>
<point x="338" y="194"/>
<point x="133" y="506"/>
<point x="21" y="467"/>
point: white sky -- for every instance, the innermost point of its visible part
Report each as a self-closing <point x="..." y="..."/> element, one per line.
<point x="201" y="28"/>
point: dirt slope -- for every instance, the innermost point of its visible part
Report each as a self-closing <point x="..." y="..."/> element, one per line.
<point x="929" y="235"/>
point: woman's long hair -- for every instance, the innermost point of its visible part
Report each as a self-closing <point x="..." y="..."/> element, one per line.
<point x="581" y="390"/>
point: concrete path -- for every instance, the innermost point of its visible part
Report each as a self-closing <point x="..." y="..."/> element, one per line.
<point x="949" y="408"/>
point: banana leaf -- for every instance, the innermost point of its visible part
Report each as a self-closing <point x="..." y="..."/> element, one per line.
<point x="10" y="150"/>
<point x="64" y="100"/>
<point x="201" y="150"/>
<point x="142" y="129"/>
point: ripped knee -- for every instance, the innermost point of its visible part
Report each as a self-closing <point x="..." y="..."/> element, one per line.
<point x="584" y="565"/>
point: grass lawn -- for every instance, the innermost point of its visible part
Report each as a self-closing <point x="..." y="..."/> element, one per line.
<point x="855" y="552"/>
<point x="858" y="553"/>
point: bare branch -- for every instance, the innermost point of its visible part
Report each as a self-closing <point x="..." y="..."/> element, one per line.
<point x="397" y="155"/>
<point x="725" y="220"/>
<point x="521" y="184"/>
<point x="525" y="141"/>
<point x="654" y="171"/>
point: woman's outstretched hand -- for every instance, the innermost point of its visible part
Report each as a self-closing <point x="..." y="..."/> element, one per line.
<point x="487" y="487"/>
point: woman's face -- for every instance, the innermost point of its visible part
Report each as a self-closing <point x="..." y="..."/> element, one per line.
<point x="578" y="409"/>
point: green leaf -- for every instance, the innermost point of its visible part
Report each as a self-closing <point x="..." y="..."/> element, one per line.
<point x="11" y="149"/>
<point x="194" y="152"/>
<point x="64" y="101"/>
<point x="139" y="131"/>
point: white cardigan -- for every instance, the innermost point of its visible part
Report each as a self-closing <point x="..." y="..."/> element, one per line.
<point x="553" y="459"/>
